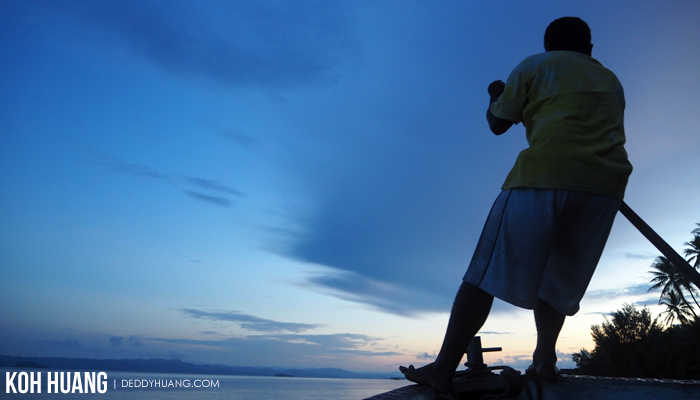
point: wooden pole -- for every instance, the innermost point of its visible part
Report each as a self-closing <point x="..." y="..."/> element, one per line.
<point x="660" y="244"/>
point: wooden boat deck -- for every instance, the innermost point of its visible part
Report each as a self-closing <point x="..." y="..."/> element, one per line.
<point x="568" y="387"/>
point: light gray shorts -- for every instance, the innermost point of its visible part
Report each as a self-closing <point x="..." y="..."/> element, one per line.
<point x="542" y="243"/>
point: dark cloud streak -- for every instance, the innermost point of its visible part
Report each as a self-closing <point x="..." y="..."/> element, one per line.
<point x="212" y="185"/>
<point x="216" y="200"/>
<point x="249" y="322"/>
<point x="636" y="256"/>
<point x="138" y="170"/>
<point x="393" y="298"/>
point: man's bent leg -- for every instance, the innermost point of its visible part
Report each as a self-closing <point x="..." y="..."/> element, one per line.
<point x="549" y="323"/>
<point x="469" y="312"/>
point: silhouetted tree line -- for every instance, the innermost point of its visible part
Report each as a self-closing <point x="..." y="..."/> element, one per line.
<point x="632" y="344"/>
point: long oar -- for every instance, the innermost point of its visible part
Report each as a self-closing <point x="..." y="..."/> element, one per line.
<point x="660" y="244"/>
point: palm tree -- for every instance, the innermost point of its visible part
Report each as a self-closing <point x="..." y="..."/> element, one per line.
<point x="676" y="308"/>
<point x="669" y="279"/>
<point x="692" y="253"/>
<point x="696" y="231"/>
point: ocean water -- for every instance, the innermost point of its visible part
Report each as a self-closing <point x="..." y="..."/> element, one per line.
<point x="144" y="385"/>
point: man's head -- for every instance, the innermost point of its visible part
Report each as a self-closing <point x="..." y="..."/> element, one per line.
<point x="568" y="33"/>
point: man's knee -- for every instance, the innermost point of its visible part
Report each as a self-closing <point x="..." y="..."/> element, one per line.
<point x="472" y="294"/>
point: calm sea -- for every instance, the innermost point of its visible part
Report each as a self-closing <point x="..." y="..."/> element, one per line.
<point x="182" y="386"/>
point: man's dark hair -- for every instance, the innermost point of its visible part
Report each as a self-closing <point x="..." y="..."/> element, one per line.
<point x="568" y="33"/>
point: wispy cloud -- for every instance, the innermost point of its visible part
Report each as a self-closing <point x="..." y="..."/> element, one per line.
<point x="69" y="343"/>
<point x="389" y="297"/>
<point x="340" y="343"/>
<point x="134" y="341"/>
<point x="647" y="301"/>
<point x="136" y="169"/>
<point x="639" y="256"/>
<point x="239" y="138"/>
<point x="426" y="356"/>
<point x="117" y="341"/>
<point x="72" y="344"/>
<point x="249" y="322"/>
<point x="212" y="185"/>
<point x="644" y="302"/>
<point x="123" y="166"/>
<point x="626" y="291"/>
<point x="216" y="200"/>
<point x="313" y="345"/>
<point x="193" y="185"/>
<point x="258" y="43"/>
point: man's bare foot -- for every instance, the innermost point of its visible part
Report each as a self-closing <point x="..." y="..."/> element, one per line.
<point x="544" y="368"/>
<point x="427" y="375"/>
<point x="546" y="372"/>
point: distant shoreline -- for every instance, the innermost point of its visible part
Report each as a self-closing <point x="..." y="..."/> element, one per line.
<point x="157" y="365"/>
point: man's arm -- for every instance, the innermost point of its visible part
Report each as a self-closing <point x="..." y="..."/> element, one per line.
<point x="497" y="125"/>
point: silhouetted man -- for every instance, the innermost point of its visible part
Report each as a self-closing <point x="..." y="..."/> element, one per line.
<point x="547" y="229"/>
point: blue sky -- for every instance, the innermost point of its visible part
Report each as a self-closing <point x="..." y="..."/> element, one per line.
<point x="298" y="183"/>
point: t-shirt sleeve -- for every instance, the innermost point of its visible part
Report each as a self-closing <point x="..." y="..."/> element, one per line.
<point x="512" y="102"/>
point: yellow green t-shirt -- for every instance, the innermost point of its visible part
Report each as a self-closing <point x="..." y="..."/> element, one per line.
<point x="573" y="111"/>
